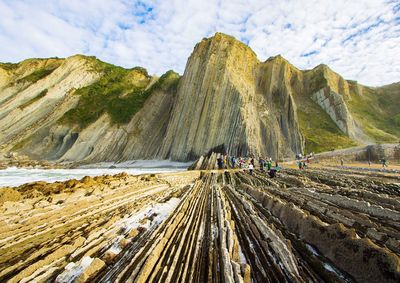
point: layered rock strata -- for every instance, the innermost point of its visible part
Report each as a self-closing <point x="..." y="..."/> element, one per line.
<point x="223" y="226"/>
<point x="80" y="109"/>
<point x="229" y="100"/>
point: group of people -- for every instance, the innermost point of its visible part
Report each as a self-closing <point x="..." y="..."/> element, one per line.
<point x="302" y="164"/>
<point x="303" y="160"/>
<point x="224" y="161"/>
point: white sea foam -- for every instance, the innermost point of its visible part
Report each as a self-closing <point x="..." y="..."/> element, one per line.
<point x="13" y="176"/>
<point x="158" y="211"/>
<point x="73" y="270"/>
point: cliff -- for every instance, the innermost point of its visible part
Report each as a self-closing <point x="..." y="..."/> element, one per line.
<point x="82" y="109"/>
<point x="224" y="102"/>
<point x="85" y="110"/>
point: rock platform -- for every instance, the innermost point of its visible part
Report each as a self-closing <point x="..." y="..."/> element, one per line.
<point x="314" y="225"/>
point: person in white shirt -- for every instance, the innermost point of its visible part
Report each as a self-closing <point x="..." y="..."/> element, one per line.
<point x="251" y="168"/>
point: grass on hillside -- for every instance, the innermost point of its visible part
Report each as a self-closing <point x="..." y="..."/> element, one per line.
<point x="317" y="82"/>
<point x="9" y="66"/>
<point x="36" y="98"/>
<point x="37" y="75"/>
<point x="320" y="132"/>
<point x="378" y="112"/>
<point x="118" y="92"/>
<point x="396" y="120"/>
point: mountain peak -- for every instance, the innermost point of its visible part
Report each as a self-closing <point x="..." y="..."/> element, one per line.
<point x="223" y="36"/>
<point x="227" y="39"/>
<point x="277" y="58"/>
<point x="224" y="46"/>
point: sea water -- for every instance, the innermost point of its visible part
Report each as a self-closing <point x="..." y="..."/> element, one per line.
<point x="14" y="176"/>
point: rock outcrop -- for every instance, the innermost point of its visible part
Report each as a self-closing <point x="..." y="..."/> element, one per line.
<point x="80" y="109"/>
<point x="224" y="102"/>
<point x="314" y="225"/>
<point x="39" y="127"/>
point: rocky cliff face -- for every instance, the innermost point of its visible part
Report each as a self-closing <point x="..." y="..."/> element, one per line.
<point x="47" y="117"/>
<point x="222" y="102"/>
<point x="81" y="109"/>
<point x="36" y="93"/>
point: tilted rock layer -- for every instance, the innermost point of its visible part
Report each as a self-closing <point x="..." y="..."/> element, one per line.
<point x="224" y="101"/>
<point x="81" y="109"/>
<point x="318" y="225"/>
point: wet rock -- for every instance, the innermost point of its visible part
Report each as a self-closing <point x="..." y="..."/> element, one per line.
<point x="109" y="256"/>
<point x="243" y="228"/>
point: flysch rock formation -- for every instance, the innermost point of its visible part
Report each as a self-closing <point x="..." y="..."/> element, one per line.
<point x="80" y="109"/>
<point x="39" y="130"/>
<point x="18" y="118"/>
<point x="318" y="225"/>
<point x="224" y="101"/>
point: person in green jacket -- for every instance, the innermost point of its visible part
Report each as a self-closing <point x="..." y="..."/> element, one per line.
<point x="269" y="165"/>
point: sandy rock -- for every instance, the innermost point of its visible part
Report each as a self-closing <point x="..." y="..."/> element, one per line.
<point x="9" y="194"/>
<point x="133" y="233"/>
<point x="15" y="207"/>
<point x="246" y="271"/>
<point x="124" y="242"/>
<point x="109" y="256"/>
<point x="96" y="266"/>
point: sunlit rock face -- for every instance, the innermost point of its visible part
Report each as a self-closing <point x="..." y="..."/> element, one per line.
<point x="228" y="99"/>
<point x="80" y="109"/>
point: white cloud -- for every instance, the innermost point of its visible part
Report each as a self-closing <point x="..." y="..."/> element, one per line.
<point x="359" y="39"/>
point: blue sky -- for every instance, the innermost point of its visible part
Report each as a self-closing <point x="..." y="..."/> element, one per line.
<point x="359" y="39"/>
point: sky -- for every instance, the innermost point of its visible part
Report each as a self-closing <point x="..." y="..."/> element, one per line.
<point x="359" y="39"/>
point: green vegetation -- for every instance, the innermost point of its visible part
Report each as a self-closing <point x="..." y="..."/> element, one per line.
<point x="141" y="70"/>
<point x="119" y="92"/>
<point x="317" y="80"/>
<point x="37" y="75"/>
<point x="396" y="120"/>
<point x="36" y="98"/>
<point x="9" y="66"/>
<point x="378" y="112"/>
<point x="320" y="132"/>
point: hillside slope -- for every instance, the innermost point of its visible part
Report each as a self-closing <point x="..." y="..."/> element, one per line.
<point x="82" y="109"/>
<point x="224" y="102"/>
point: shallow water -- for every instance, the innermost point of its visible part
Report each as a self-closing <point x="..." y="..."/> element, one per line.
<point x="13" y="176"/>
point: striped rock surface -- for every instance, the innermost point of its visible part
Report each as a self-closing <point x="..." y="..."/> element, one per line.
<point x="213" y="226"/>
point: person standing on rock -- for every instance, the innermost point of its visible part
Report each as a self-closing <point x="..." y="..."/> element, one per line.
<point x="261" y="161"/>
<point x="300" y="165"/>
<point x="225" y="160"/>
<point x="341" y="162"/>
<point x="219" y="161"/>
<point x="272" y="173"/>
<point x="233" y="160"/>
<point x="251" y="168"/>
<point x="269" y="164"/>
